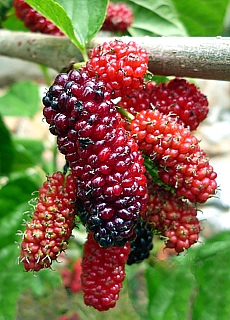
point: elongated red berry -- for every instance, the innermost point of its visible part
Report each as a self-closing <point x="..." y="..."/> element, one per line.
<point x="120" y="65"/>
<point x="103" y="271"/>
<point x="46" y="235"/>
<point x="175" y="219"/>
<point x="118" y="17"/>
<point x="33" y="20"/>
<point x="181" y="162"/>
<point x="104" y="158"/>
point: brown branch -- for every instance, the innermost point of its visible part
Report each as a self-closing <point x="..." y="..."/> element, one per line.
<point x="205" y="58"/>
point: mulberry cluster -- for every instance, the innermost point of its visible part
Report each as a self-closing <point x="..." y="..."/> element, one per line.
<point x="118" y="18"/>
<point x="182" y="164"/>
<point x="104" y="159"/>
<point x="109" y="161"/>
<point x="103" y="271"/>
<point x="46" y="235"/>
<point x="33" y="20"/>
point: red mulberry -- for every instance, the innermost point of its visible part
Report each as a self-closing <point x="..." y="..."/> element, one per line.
<point x="120" y="65"/>
<point x="33" y="20"/>
<point x="176" y="220"/>
<point x="118" y="17"/>
<point x="105" y="160"/>
<point x="103" y="271"/>
<point x="182" y="164"/>
<point x="182" y="99"/>
<point x="47" y="233"/>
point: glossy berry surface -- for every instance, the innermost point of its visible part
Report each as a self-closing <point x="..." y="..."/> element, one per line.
<point x="118" y="17"/>
<point x="175" y="219"/>
<point x="120" y="65"/>
<point x="46" y="235"/>
<point x="104" y="158"/>
<point x="33" y="20"/>
<point x="142" y="245"/>
<point x="181" y="162"/>
<point x="181" y="99"/>
<point x="103" y="271"/>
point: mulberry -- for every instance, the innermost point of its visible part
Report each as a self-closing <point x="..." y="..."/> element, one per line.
<point x="46" y="235"/>
<point x="182" y="164"/>
<point x="33" y="20"/>
<point x="118" y="17"/>
<point x="103" y="271"/>
<point x="104" y="159"/>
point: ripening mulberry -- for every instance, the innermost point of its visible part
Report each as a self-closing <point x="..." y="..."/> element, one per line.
<point x="142" y="245"/>
<point x="176" y="220"/>
<point x="103" y="271"/>
<point x="46" y="235"/>
<point x="121" y="66"/>
<point x="33" y="20"/>
<point x="118" y="17"/>
<point x="103" y="157"/>
<point x="181" y="99"/>
<point x="177" y="98"/>
<point x="181" y="163"/>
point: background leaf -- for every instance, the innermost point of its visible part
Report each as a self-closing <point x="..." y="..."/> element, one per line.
<point x="169" y="287"/>
<point x="13" y="281"/>
<point x="28" y="153"/>
<point x="6" y="150"/>
<point x="79" y="20"/>
<point x="211" y="270"/>
<point x="154" y="18"/>
<point x="22" y="99"/>
<point x="202" y="18"/>
<point x="5" y="5"/>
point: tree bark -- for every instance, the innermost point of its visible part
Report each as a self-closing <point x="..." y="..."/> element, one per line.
<point x="204" y="58"/>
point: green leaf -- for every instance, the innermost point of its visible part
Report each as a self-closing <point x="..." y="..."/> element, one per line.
<point x="6" y="150"/>
<point x="13" y="23"/>
<point x="155" y="18"/>
<point x="5" y="5"/>
<point x="202" y="18"/>
<point x="28" y="153"/>
<point x="13" y="281"/>
<point x="211" y="270"/>
<point x="79" y="20"/>
<point x="16" y="192"/>
<point x="87" y="17"/>
<point x="22" y="99"/>
<point x="169" y="290"/>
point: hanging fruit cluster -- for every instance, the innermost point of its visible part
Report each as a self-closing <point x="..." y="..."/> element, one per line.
<point x="135" y="168"/>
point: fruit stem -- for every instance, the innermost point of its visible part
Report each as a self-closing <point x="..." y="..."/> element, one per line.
<point x="85" y="55"/>
<point x="78" y="65"/>
<point x="125" y="113"/>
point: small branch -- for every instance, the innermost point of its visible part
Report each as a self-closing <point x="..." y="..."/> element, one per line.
<point x="54" y="52"/>
<point x="205" y="58"/>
